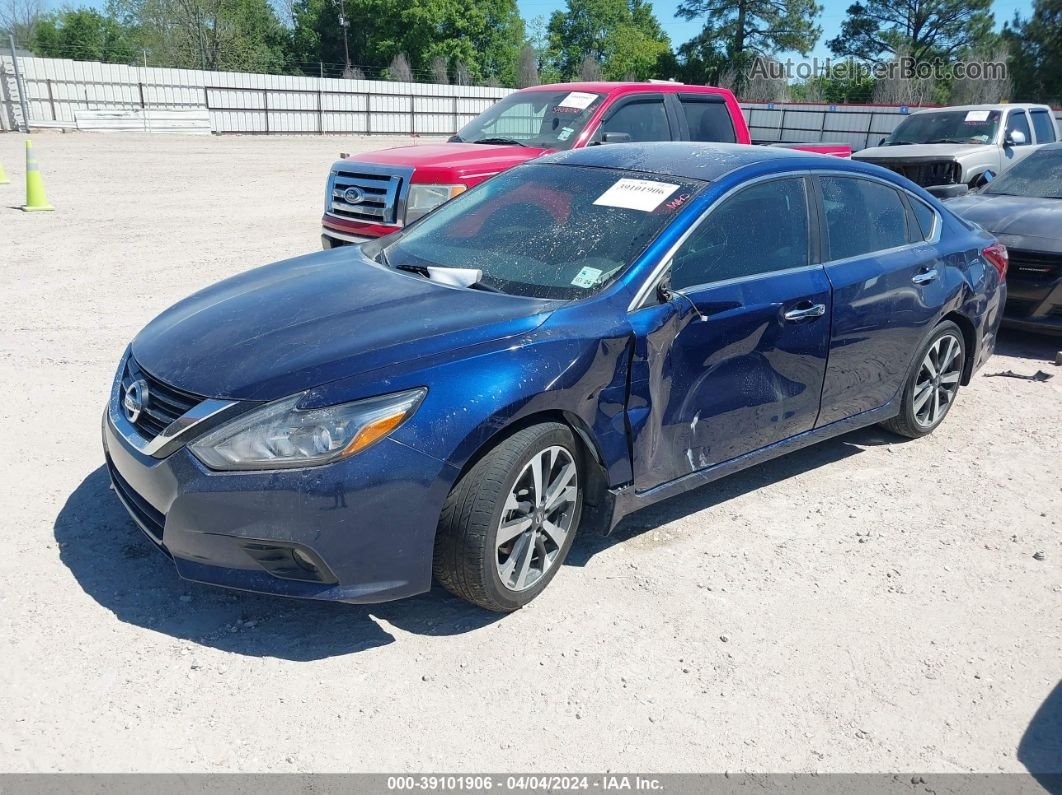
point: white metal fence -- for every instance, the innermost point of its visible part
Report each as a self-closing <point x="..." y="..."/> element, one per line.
<point x="55" y="90"/>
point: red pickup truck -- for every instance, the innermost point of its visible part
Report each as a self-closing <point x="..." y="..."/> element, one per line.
<point x="376" y="193"/>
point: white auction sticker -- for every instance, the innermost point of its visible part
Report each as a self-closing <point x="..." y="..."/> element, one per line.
<point x="578" y="99"/>
<point x="587" y="277"/>
<point x="636" y="194"/>
<point x="977" y="115"/>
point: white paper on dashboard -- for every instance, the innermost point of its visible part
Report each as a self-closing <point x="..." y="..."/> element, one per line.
<point x="636" y="194"/>
<point x="577" y="99"/>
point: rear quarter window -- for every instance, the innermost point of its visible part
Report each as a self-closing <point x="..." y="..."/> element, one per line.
<point x="926" y="217"/>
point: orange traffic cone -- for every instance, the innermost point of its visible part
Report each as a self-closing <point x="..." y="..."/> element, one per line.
<point x="36" y="200"/>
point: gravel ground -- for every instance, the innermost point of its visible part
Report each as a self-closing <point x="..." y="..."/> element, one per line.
<point x="867" y="604"/>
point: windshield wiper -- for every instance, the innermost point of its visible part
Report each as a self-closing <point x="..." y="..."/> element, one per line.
<point x="420" y="270"/>
<point x="510" y="141"/>
<point x="949" y="141"/>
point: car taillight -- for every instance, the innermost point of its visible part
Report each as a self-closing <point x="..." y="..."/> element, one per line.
<point x="997" y="256"/>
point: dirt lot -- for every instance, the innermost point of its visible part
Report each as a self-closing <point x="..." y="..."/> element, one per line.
<point x="864" y="605"/>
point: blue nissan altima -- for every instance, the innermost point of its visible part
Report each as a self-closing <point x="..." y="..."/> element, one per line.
<point x="570" y="341"/>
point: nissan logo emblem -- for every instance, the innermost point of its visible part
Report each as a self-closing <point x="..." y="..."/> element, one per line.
<point x="353" y="196"/>
<point x="136" y="397"/>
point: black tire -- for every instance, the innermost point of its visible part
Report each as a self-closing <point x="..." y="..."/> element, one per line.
<point x="917" y="417"/>
<point x="466" y="560"/>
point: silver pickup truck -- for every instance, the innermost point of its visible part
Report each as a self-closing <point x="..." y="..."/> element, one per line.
<point x="957" y="145"/>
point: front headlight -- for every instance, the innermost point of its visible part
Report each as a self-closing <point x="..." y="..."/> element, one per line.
<point x="280" y="435"/>
<point x="422" y="199"/>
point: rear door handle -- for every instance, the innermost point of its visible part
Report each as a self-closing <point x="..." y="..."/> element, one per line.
<point x="925" y="277"/>
<point x="805" y="311"/>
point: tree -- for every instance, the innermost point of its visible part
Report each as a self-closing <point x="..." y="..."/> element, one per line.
<point x="739" y="30"/>
<point x="589" y="69"/>
<point x="622" y="36"/>
<point x="84" y="35"/>
<point x="925" y="30"/>
<point x="1036" y="53"/>
<point x="846" y="82"/>
<point x="399" y="70"/>
<point x="527" y="67"/>
<point x="19" y="18"/>
<point x="440" y="71"/>
<point x="485" y="35"/>
<point x="230" y="35"/>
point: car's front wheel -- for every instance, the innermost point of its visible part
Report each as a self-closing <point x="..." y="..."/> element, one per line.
<point x="933" y="385"/>
<point x="509" y="522"/>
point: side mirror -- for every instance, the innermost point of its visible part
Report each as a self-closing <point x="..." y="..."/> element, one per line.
<point x="881" y="141"/>
<point x="1015" y="138"/>
<point x="616" y="138"/>
<point x="663" y="287"/>
<point x="984" y="179"/>
<point x="948" y="191"/>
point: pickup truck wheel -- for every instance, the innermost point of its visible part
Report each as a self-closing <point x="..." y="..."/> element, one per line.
<point x="933" y="385"/>
<point x="509" y="522"/>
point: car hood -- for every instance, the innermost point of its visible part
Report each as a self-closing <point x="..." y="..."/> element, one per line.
<point x="921" y="151"/>
<point x="304" y="322"/>
<point x="1018" y="221"/>
<point x="446" y="162"/>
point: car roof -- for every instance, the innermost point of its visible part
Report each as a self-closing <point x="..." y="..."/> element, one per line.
<point x="998" y="106"/>
<point x="605" y="87"/>
<point x="689" y="160"/>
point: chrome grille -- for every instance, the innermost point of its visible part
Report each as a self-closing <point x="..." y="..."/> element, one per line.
<point x="926" y="173"/>
<point x="164" y="403"/>
<point x="369" y="194"/>
<point x="1035" y="265"/>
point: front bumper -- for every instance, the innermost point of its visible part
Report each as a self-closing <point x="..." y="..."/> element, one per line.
<point x="1034" y="305"/>
<point x="370" y="519"/>
<point x="337" y="232"/>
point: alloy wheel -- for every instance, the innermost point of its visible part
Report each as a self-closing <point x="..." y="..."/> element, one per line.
<point x="938" y="381"/>
<point x="537" y="518"/>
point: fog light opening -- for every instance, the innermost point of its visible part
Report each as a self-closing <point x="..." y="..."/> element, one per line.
<point x="304" y="561"/>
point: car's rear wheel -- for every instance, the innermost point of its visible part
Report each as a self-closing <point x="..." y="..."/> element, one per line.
<point x="933" y="385"/>
<point x="509" y="522"/>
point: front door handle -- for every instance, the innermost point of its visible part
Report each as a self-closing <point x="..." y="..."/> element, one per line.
<point x="805" y="311"/>
<point x="925" y="277"/>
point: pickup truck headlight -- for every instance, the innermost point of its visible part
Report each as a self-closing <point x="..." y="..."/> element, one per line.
<point x="422" y="199"/>
<point x="280" y="435"/>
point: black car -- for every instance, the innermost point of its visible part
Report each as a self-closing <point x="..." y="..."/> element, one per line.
<point x="1023" y="208"/>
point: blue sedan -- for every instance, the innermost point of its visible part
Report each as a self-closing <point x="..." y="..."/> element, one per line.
<point x="573" y="340"/>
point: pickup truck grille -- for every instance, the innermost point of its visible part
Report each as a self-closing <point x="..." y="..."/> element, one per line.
<point x="924" y="173"/>
<point x="163" y="405"/>
<point x="1035" y="265"/>
<point x="369" y="195"/>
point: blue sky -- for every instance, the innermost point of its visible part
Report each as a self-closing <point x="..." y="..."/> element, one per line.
<point x="831" y="19"/>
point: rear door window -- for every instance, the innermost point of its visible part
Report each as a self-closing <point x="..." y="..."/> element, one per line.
<point x="1044" y="126"/>
<point x="708" y="119"/>
<point x="862" y="216"/>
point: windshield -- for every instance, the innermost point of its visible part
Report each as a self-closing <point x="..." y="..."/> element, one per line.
<point x="545" y="230"/>
<point x="546" y="119"/>
<point x="947" y="127"/>
<point x="1039" y="175"/>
